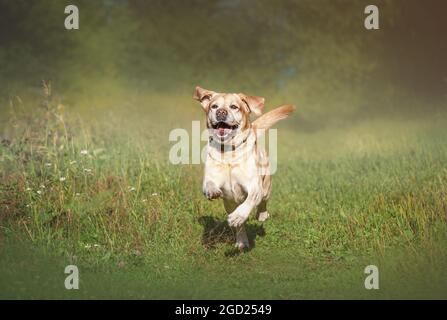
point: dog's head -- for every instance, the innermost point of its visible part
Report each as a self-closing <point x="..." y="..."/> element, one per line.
<point x="228" y="114"/>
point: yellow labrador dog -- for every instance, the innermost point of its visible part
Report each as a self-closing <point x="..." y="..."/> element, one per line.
<point x="237" y="167"/>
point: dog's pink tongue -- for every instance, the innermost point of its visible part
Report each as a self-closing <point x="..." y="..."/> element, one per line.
<point x="221" y="131"/>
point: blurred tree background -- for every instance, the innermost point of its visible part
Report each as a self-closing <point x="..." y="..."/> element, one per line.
<point x="313" y="53"/>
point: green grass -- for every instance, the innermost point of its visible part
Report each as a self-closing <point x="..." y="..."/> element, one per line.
<point x="372" y="192"/>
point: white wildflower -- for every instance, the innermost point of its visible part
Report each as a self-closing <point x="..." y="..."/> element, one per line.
<point x="155" y="194"/>
<point x="48" y="164"/>
<point x="132" y="189"/>
<point x="84" y="152"/>
<point x="62" y="179"/>
<point x="28" y="189"/>
<point x="39" y="191"/>
<point x="88" y="170"/>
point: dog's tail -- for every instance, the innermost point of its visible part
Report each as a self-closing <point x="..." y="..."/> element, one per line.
<point x="266" y="121"/>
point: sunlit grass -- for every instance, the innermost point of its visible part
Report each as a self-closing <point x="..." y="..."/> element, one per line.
<point x="100" y="192"/>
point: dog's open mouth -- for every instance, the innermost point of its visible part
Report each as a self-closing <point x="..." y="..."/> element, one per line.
<point x="222" y="129"/>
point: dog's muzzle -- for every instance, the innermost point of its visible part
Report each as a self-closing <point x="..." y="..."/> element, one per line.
<point x="221" y="114"/>
<point x="222" y="129"/>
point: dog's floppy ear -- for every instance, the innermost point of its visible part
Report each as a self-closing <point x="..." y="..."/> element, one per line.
<point x="203" y="96"/>
<point x="254" y="104"/>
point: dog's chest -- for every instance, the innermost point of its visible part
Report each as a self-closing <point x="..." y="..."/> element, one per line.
<point x="233" y="175"/>
<point x="233" y="184"/>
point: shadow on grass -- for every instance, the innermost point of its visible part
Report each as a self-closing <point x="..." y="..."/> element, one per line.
<point x="217" y="231"/>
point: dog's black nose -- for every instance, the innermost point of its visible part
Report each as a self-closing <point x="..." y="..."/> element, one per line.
<point x="221" y="114"/>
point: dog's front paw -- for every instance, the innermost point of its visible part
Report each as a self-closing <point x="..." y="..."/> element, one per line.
<point x="236" y="219"/>
<point x="242" y="242"/>
<point x="242" y="245"/>
<point x="211" y="192"/>
<point x="262" y="216"/>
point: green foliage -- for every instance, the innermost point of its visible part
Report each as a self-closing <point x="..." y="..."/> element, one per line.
<point x="311" y="53"/>
<point x="103" y="196"/>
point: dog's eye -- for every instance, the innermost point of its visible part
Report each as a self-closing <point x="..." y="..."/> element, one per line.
<point x="214" y="106"/>
<point x="234" y="107"/>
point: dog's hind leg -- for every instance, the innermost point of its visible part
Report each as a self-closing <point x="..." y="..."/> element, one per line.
<point x="242" y="242"/>
<point x="241" y="238"/>
<point x="261" y="211"/>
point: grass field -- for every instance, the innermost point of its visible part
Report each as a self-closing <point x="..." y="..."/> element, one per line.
<point x="98" y="191"/>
